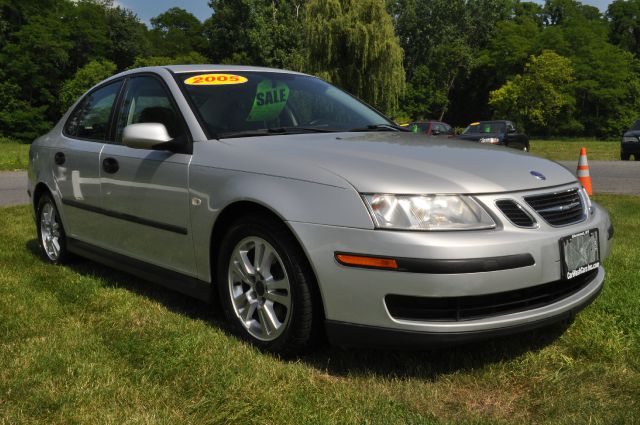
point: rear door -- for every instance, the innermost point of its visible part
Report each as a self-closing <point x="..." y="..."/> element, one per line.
<point x="77" y="161"/>
<point x="146" y="191"/>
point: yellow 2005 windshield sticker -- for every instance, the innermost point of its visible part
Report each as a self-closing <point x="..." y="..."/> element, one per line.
<point x="215" y="79"/>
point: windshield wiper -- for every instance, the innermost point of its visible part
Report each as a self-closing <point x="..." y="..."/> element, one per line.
<point x="273" y="132"/>
<point x="381" y="127"/>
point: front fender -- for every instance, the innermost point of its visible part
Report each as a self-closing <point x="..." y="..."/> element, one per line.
<point x="213" y="189"/>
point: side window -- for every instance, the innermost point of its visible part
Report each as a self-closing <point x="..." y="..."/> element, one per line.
<point x="90" y="120"/>
<point x="447" y="129"/>
<point x="147" y="101"/>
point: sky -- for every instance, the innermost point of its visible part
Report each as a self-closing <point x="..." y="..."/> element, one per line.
<point x="147" y="9"/>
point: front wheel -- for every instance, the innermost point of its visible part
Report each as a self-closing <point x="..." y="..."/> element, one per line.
<point x="266" y="287"/>
<point x="51" y="234"/>
<point x="624" y="156"/>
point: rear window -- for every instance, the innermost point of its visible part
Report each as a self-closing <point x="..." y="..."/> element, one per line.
<point x="485" y="127"/>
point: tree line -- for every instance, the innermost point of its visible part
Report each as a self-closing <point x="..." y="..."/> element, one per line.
<point x="562" y="68"/>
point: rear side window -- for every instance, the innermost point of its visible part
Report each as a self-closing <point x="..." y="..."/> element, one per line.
<point x="90" y="120"/>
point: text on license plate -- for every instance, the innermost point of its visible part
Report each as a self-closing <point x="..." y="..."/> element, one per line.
<point x="579" y="253"/>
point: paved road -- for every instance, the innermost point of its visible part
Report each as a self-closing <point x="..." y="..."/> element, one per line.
<point x="611" y="176"/>
<point x="13" y="188"/>
<point x="606" y="177"/>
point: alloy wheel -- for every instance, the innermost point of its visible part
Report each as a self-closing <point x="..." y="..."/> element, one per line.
<point x="259" y="288"/>
<point x="50" y="231"/>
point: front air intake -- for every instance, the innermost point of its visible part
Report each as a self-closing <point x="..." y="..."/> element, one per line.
<point x="515" y="213"/>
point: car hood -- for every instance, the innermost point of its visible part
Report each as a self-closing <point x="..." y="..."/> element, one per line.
<point x="386" y="162"/>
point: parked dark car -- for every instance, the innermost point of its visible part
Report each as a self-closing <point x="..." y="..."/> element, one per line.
<point x="432" y="128"/>
<point x="496" y="133"/>
<point x="630" y="144"/>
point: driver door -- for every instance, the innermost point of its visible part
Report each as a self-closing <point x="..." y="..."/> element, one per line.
<point x="146" y="191"/>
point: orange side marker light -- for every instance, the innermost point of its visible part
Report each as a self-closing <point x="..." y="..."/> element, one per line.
<point x="362" y="261"/>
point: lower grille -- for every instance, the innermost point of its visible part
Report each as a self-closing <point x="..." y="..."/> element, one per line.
<point x="453" y="309"/>
<point x="559" y="208"/>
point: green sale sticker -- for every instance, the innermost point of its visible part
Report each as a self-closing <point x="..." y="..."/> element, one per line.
<point x="269" y="101"/>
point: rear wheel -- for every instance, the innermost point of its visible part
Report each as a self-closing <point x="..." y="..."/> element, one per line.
<point x="51" y="235"/>
<point x="266" y="286"/>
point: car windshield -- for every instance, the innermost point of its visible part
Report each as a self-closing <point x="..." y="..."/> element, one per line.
<point x="236" y="104"/>
<point x="485" y="127"/>
<point x="635" y="126"/>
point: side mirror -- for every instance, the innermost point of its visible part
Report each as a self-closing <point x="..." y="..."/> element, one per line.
<point x="511" y="130"/>
<point x="145" y="135"/>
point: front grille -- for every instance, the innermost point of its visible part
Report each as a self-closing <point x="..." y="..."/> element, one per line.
<point x="515" y="213"/>
<point x="453" y="309"/>
<point x="558" y="208"/>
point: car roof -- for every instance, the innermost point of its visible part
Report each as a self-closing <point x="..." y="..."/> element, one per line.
<point x="482" y="122"/>
<point x="181" y="69"/>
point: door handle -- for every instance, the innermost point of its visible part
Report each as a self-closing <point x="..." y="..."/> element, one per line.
<point x="110" y="165"/>
<point x="59" y="158"/>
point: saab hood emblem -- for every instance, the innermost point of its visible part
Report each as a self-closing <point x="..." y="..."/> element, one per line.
<point x="538" y="175"/>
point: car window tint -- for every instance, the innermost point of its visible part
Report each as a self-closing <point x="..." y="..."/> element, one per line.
<point x="491" y="127"/>
<point x="423" y="127"/>
<point x="248" y="101"/>
<point x="91" y="119"/>
<point x="147" y="101"/>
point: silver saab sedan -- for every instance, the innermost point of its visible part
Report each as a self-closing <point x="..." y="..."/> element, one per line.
<point x="308" y="213"/>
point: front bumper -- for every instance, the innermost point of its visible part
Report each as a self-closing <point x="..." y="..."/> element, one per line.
<point x="353" y="335"/>
<point x="354" y="298"/>
<point x="630" y="147"/>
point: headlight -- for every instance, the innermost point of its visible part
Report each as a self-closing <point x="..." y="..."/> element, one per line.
<point x="492" y="140"/>
<point x="427" y="212"/>
<point x="629" y="139"/>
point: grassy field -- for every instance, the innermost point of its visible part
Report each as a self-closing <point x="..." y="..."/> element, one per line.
<point x="568" y="150"/>
<point x="13" y="155"/>
<point x="85" y="344"/>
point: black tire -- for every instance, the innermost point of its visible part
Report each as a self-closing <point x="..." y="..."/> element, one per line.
<point x="51" y="234"/>
<point x="300" y="324"/>
<point x="624" y="156"/>
<point x="636" y="157"/>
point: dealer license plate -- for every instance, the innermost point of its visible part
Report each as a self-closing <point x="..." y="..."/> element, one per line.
<point x="579" y="253"/>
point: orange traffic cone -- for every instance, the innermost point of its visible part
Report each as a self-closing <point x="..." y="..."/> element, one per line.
<point x="583" y="171"/>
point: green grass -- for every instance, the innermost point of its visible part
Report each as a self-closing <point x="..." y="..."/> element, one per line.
<point x="13" y="155"/>
<point x="85" y="344"/>
<point x="569" y="149"/>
